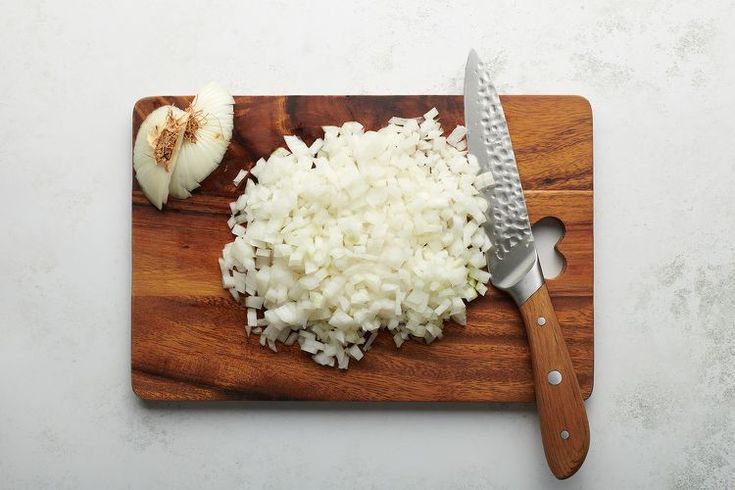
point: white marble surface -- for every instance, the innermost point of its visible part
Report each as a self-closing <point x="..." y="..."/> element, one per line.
<point x="660" y="77"/>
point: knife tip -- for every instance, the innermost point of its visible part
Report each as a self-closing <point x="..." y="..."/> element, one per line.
<point x="473" y="58"/>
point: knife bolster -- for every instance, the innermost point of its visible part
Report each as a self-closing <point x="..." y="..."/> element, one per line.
<point x="528" y="284"/>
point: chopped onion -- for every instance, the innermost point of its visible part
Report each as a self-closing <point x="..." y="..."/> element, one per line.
<point x="239" y="177"/>
<point x="252" y="318"/>
<point x="355" y="352"/>
<point x="360" y="231"/>
<point x="370" y="340"/>
<point x="456" y="136"/>
<point x="484" y="180"/>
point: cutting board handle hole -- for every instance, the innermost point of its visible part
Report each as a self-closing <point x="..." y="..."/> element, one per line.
<point x="548" y="232"/>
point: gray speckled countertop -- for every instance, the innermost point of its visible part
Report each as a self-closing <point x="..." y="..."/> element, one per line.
<point x="660" y="77"/>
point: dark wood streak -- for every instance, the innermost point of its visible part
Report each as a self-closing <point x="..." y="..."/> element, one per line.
<point x="188" y="340"/>
<point x="226" y="393"/>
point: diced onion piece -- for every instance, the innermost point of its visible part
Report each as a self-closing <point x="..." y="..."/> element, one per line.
<point x="355" y="352"/>
<point x="484" y="180"/>
<point x="370" y="341"/>
<point x="481" y="276"/>
<point x="291" y="338"/>
<point x="239" y="177"/>
<point x="254" y="302"/>
<point x="296" y="145"/>
<point x="456" y="135"/>
<point x="431" y="114"/>
<point x="252" y="318"/>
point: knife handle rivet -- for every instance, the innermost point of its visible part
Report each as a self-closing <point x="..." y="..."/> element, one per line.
<point x="554" y="377"/>
<point x="541" y="321"/>
<point x="564" y="434"/>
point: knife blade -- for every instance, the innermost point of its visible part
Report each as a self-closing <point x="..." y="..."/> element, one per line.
<point x="514" y="267"/>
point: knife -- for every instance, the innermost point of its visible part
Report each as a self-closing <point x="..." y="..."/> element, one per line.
<point x="514" y="267"/>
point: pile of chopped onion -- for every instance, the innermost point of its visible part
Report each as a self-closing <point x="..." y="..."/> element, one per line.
<point x="357" y="233"/>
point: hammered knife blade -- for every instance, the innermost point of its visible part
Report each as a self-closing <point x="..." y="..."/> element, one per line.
<point x="514" y="267"/>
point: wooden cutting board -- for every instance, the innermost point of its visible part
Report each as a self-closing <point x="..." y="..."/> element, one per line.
<point x="188" y="340"/>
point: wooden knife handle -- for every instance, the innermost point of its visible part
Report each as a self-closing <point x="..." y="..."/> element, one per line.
<point x="564" y="427"/>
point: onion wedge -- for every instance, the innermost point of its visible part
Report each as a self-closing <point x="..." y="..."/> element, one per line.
<point x="156" y="149"/>
<point x="207" y="136"/>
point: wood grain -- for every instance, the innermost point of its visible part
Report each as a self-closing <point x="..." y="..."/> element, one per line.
<point x="188" y="340"/>
<point x="562" y="415"/>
